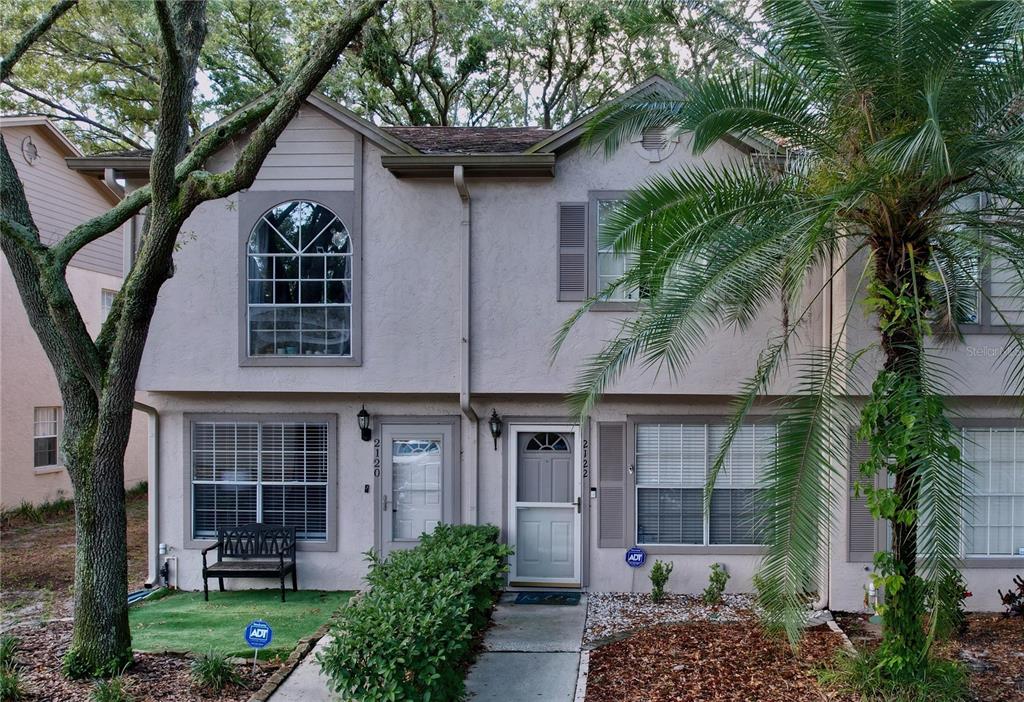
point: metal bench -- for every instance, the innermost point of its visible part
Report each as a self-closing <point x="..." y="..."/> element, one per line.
<point x="252" y="551"/>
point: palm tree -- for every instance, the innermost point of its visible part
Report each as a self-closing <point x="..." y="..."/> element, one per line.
<point x="900" y="137"/>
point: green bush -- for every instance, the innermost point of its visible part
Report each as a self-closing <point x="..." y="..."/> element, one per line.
<point x="213" y="671"/>
<point x="11" y="687"/>
<point x="113" y="690"/>
<point x="948" y="606"/>
<point x="716" y="584"/>
<point x="410" y="636"/>
<point x="866" y="677"/>
<point x="660" y="572"/>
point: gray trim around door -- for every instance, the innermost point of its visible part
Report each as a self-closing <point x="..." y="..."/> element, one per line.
<point x="451" y="478"/>
<point x="331" y="544"/>
<point x="347" y="205"/>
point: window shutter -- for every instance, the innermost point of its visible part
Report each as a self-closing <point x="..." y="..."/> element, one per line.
<point x="572" y="251"/>
<point x="611" y="491"/>
<point x="861" y="526"/>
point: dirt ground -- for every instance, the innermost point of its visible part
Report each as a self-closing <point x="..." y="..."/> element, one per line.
<point x="708" y="662"/>
<point x="37" y="563"/>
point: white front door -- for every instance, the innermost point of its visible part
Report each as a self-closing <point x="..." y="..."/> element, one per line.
<point x="545" y="480"/>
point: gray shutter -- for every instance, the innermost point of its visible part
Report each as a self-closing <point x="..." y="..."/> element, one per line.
<point x="611" y="490"/>
<point x="572" y="251"/>
<point x="860" y="526"/>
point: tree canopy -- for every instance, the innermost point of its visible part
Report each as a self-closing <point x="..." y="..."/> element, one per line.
<point x="422" y="62"/>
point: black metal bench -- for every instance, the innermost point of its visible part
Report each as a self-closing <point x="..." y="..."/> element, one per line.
<point x="252" y="551"/>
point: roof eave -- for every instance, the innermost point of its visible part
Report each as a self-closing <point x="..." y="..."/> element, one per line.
<point x="126" y="166"/>
<point x="516" y="165"/>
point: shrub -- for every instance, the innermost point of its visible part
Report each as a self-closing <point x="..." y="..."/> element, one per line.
<point x="1013" y="600"/>
<point x="716" y="584"/>
<point x="11" y="687"/>
<point x="213" y="671"/>
<point x="948" y="605"/>
<point x="9" y="647"/>
<point x="866" y="677"/>
<point x="660" y="572"/>
<point x="113" y="690"/>
<point x="410" y="636"/>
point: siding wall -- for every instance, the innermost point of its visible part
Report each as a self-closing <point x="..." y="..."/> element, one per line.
<point x="60" y="198"/>
<point x="311" y="154"/>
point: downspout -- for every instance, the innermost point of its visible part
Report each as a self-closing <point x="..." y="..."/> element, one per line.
<point x="470" y="439"/>
<point x="826" y="586"/>
<point x="153" y="480"/>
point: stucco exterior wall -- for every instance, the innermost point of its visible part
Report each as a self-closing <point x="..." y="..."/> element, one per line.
<point x="27" y="381"/>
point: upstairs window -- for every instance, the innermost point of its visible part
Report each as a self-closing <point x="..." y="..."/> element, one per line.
<point x="612" y="265"/>
<point x="300" y="264"/>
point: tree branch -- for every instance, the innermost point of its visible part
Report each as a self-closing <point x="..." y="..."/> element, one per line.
<point x="28" y="38"/>
<point x="76" y="117"/>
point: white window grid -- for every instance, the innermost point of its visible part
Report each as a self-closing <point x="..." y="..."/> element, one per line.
<point x="611" y="266"/>
<point x="46" y="425"/>
<point x="712" y="434"/>
<point x="984" y="486"/>
<point x="319" y="453"/>
<point x="106" y="303"/>
<point x="313" y="292"/>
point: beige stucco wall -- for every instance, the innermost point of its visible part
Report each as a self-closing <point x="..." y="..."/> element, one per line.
<point x="27" y="381"/>
<point x="59" y="199"/>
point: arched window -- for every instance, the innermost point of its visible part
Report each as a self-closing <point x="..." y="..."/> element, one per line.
<point x="547" y="441"/>
<point x="300" y="283"/>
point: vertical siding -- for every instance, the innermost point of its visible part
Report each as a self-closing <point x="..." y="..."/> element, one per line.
<point x="61" y="199"/>
<point x="313" y="153"/>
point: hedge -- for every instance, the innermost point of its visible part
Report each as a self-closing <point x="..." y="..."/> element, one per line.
<point x="410" y="636"/>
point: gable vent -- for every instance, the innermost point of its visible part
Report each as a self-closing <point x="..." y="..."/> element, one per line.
<point x="654" y="139"/>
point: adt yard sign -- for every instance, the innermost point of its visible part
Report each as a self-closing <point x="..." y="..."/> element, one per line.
<point x="258" y="634"/>
<point x="636" y="557"/>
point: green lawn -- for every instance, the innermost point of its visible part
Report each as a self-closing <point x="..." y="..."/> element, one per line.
<point x="182" y="622"/>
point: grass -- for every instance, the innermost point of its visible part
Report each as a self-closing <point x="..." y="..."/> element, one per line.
<point x="182" y="622"/>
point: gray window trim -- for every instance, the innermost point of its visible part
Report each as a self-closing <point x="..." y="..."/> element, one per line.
<point x="593" y="196"/>
<point x="332" y="471"/>
<point x="451" y="499"/>
<point x="680" y="550"/>
<point x="348" y="206"/>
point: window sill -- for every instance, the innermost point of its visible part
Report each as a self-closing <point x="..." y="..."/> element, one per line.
<point x="612" y="306"/>
<point x="329" y="545"/>
<point x="993" y="562"/>
<point x="298" y="361"/>
<point x="695" y="550"/>
<point x="47" y="470"/>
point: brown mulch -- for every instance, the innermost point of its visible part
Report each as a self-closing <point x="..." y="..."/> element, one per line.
<point x="710" y="662"/>
<point x="992" y="649"/>
<point x="153" y="677"/>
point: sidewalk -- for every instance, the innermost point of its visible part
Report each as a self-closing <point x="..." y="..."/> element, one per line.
<point x="531" y="652"/>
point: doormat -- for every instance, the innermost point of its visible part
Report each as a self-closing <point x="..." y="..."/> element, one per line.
<point x="548" y="598"/>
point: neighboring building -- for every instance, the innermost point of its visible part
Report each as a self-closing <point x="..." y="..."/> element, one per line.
<point x="422" y="273"/>
<point x="31" y="465"/>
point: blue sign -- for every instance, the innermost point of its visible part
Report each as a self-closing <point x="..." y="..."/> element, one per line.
<point x="636" y="557"/>
<point x="258" y="634"/>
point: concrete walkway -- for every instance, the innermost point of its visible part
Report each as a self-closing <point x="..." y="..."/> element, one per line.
<point x="531" y="652"/>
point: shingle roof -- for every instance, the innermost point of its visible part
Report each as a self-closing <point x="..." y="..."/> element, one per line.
<point x="470" y="140"/>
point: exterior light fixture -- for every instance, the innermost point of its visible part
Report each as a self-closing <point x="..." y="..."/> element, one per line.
<point x="364" y="424"/>
<point x="495" y="424"/>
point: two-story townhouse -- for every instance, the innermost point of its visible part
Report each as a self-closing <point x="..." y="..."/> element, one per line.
<point x="59" y="198"/>
<point x="360" y="345"/>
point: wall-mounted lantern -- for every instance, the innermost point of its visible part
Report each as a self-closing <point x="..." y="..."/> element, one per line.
<point x="495" y="424"/>
<point x="364" y="424"/>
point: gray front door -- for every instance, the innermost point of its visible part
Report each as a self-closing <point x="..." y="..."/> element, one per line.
<point x="546" y="508"/>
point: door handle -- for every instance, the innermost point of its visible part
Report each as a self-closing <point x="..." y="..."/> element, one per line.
<point x="385" y="503"/>
<point x="578" y="508"/>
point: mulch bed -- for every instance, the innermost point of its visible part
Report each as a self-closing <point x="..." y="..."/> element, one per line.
<point x="710" y="662"/>
<point x="153" y="678"/>
<point x="992" y="649"/>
